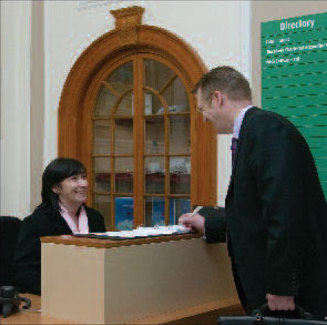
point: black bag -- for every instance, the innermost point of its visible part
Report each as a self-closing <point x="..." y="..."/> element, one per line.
<point x="10" y="301"/>
<point x="258" y="318"/>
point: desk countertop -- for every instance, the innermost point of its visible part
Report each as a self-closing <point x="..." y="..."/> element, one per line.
<point x="108" y="243"/>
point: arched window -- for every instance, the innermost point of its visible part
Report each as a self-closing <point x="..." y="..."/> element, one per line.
<point x="128" y="113"/>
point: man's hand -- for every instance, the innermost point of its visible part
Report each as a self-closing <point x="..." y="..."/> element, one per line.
<point x="196" y="221"/>
<point x="280" y="302"/>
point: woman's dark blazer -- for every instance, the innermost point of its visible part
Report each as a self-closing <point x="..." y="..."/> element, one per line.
<point x="43" y="222"/>
<point x="275" y="215"/>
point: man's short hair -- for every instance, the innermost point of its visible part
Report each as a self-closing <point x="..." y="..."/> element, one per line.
<point x="227" y="80"/>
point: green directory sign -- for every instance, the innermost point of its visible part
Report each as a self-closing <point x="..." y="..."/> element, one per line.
<point x="294" y="78"/>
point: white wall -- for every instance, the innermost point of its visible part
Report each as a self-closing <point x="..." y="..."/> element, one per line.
<point x="15" y="107"/>
<point x="218" y="30"/>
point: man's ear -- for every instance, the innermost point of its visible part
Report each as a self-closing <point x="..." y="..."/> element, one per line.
<point x="218" y="97"/>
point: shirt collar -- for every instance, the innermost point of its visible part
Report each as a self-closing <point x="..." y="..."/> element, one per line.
<point x="238" y="121"/>
<point x="78" y="224"/>
<point x="64" y="210"/>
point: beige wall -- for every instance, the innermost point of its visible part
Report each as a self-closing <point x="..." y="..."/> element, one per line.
<point x="22" y="105"/>
<point x="37" y="101"/>
<point x="273" y="10"/>
<point x="40" y="41"/>
<point x="217" y="30"/>
<point x="15" y="107"/>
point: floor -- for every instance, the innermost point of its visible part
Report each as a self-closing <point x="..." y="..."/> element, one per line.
<point x="209" y="318"/>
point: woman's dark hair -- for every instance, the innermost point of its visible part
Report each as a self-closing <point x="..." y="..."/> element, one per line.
<point x="54" y="173"/>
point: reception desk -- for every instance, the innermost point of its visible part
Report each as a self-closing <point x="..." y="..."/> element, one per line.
<point x="138" y="281"/>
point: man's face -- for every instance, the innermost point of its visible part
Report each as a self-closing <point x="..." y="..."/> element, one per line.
<point x="213" y="110"/>
<point x="203" y="101"/>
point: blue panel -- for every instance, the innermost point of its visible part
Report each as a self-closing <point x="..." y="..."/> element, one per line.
<point x="124" y="213"/>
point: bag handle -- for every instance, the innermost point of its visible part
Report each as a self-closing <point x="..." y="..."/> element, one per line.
<point x="259" y="313"/>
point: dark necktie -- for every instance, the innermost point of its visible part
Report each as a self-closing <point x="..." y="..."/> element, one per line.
<point x="234" y="149"/>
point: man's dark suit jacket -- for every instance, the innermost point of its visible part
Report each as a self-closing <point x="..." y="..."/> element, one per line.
<point x="43" y="222"/>
<point x="275" y="215"/>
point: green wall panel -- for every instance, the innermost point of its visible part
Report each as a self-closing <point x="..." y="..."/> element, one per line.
<point x="294" y="78"/>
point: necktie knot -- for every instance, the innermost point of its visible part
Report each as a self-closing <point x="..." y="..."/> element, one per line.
<point x="234" y="149"/>
<point x="234" y="145"/>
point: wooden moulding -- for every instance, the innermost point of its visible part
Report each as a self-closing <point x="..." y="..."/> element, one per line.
<point x="108" y="243"/>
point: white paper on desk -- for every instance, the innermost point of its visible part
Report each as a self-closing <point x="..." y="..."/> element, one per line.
<point x="148" y="231"/>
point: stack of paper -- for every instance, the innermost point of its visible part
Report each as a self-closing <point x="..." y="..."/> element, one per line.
<point x="147" y="231"/>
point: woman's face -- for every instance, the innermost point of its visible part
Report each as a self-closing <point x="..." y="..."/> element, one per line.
<point x="72" y="190"/>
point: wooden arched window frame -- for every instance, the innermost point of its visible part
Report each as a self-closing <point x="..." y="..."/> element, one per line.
<point x="79" y="93"/>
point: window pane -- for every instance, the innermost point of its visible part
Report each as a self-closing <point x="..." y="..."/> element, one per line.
<point x="177" y="207"/>
<point x="179" y="137"/>
<point x="122" y="78"/>
<point x="124" y="175"/>
<point x="154" y="175"/>
<point x="156" y="74"/>
<point x="148" y="103"/>
<point x="123" y="136"/>
<point x="154" y="135"/>
<point x="154" y="212"/>
<point x="101" y="168"/>
<point x="180" y="178"/>
<point x="105" y="102"/>
<point x="103" y="204"/>
<point x="176" y="97"/>
<point x="125" y="107"/>
<point x="152" y="104"/>
<point x="124" y="213"/>
<point x="102" y="137"/>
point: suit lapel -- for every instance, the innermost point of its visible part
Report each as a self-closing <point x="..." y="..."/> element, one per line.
<point x="91" y="220"/>
<point x="247" y="117"/>
<point x="60" y="225"/>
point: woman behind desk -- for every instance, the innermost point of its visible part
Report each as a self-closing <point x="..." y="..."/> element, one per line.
<point x="62" y="212"/>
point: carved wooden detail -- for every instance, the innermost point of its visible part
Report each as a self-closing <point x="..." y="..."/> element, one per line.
<point x="128" y="35"/>
<point x="127" y="20"/>
<point x="131" y="16"/>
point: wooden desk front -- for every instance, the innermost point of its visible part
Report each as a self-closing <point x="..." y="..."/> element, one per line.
<point x="138" y="281"/>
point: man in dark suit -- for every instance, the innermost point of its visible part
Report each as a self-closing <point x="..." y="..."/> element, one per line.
<point x="275" y="215"/>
